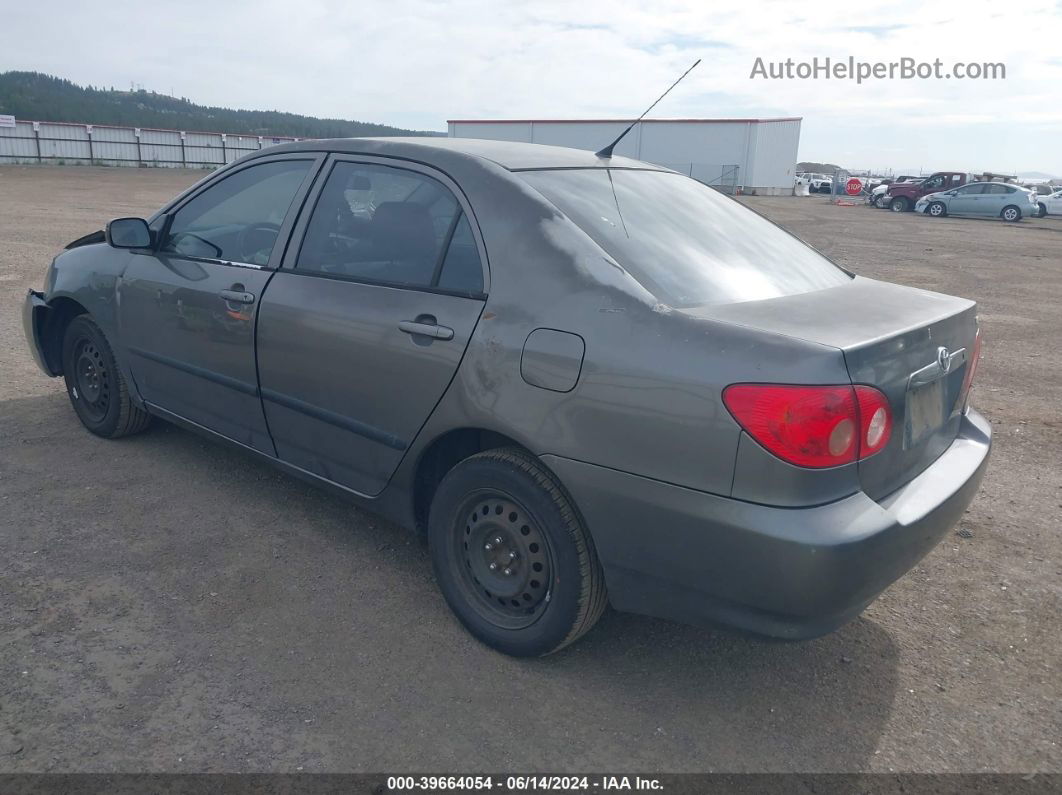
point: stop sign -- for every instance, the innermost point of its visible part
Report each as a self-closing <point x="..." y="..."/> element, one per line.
<point x="853" y="186"/>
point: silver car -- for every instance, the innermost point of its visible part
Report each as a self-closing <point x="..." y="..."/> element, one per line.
<point x="995" y="199"/>
<point x="588" y="380"/>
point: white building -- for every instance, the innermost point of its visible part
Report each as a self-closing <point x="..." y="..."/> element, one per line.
<point x="755" y="155"/>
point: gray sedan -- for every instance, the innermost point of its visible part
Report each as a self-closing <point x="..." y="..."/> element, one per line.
<point x="995" y="199"/>
<point x="588" y="380"/>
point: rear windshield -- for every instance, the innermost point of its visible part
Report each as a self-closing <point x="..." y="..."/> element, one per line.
<point x="686" y="243"/>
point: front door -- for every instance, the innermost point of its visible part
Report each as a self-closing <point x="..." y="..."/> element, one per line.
<point x="187" y="310"/>
<point x="362" y="330"/>
<point x="966" y="199"/>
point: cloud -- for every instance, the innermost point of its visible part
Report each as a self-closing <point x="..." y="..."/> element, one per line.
<point x="419" y="62"/>
<point x="876" y="30"/>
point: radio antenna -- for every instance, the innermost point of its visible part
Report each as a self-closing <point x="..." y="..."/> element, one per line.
<point x="607" y="151"/>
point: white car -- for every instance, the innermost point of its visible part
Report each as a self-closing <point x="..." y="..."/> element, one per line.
<point x="820" y="183"/>
<point x="1051" y="204"/>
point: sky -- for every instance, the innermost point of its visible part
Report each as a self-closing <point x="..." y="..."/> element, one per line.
<point x="417" y="63"/>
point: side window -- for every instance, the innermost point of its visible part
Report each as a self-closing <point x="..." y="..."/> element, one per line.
<point x="934" y="184"/>
<point x="239" y="218"/>
<point x="956" y="179"/>
<point x="972" y="190"/>
<point x="379" y="224"/>
<point x="462" y="270"/>
<point x="997" y="188"/>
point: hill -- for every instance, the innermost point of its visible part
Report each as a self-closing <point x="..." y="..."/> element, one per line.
<point x="32" y="95"/>
<point x="817" y="168"/>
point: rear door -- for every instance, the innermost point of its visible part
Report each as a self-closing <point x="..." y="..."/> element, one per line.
<point x="997" y="196"/>
<point x="362" y="330"/>
<point x="187" y="309"/>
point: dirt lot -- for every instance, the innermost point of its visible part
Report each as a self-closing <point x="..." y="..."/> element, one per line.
<point x="167" y="604"/>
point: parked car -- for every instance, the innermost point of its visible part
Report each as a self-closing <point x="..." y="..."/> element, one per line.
<point x="903" y="196"/>
<point x="996" y="199"/>
<point x="588" y="380"/>
<point x="1050" y="204"/>
<point x="820" y="183"/>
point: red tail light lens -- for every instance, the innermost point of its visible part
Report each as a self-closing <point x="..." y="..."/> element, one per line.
<point x="812" y="426"/>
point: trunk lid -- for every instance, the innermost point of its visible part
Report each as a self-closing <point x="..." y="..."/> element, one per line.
<point x="891" y="338"/>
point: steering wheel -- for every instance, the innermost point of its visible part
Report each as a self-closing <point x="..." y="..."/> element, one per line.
<point x="246" y="244"/>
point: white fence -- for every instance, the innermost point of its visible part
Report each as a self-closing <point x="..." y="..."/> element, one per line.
<point x="98" y="144"/>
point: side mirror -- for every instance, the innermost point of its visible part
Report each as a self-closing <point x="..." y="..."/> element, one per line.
<point x="128" y="233"/>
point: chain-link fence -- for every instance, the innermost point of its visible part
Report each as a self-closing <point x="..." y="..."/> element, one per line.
<point x="722" y="177"/>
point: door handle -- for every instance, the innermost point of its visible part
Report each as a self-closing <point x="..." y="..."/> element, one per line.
<point x="237" y="296"/>
<point x="426" y="330"/>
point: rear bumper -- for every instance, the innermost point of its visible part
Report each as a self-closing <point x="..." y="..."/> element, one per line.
<point x="35" y="316"/>
<point x="793" y="573"/>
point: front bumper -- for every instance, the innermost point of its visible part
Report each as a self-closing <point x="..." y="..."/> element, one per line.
<point x="694" y="557"/>
<point x="35" y="317"/>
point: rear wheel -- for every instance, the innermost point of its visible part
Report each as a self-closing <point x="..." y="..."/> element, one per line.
<point x="511" y="555"/>
<point x="95" y="385"/>
<point x="899" y="205"/>
<point x="1043" y="210"/>
<point x="937" y="209"/>
<point x="879" y="201"/>
<point x="1011" y="213"/>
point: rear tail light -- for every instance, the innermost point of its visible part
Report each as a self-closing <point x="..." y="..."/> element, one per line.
<point x="812" y="426"/>
<point x="971" y="370"/>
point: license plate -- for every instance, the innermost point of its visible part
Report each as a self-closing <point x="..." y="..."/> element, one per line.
<point x="925" y="412"/>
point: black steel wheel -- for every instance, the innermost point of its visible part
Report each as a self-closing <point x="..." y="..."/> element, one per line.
<point x="95" y="384"/>
<point x="92" y="379"/>
<point x="507" y="571"/>
<point x="512" y="556"/>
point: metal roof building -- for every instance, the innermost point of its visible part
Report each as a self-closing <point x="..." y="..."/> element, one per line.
<point x="755" y="155"/>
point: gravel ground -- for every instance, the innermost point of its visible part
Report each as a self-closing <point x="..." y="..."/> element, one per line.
<point x="167" y="604"/>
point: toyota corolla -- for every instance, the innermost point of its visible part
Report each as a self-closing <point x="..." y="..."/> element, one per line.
<point x="589" y="380"/>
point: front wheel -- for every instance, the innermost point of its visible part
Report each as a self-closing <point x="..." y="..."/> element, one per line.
<point x="1043" y="210"/>
<point x="899" y="205"/>
<point x="511" y="555"/>
<point x="937" y="209"/>
<point x="1011" y="213"/>
<point x="879" y="202"/>
<point x="95" y="385"/>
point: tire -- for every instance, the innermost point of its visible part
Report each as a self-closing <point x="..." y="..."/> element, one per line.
<point x="95" y="385"/>
<point x="1011" y="213"/>
<point x="1043" y="210"/>
<point x="879" y="202"/>
<point x="502" y="507"/>
<point x="936" y="209"/>
<point x="899" y="205"/>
